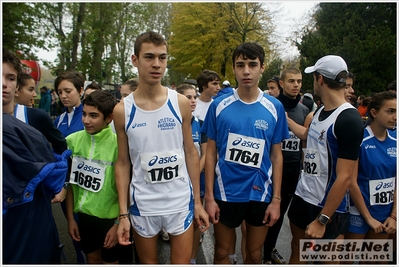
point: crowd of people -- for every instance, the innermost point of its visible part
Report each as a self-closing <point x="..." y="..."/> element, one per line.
<point x="173" y="162"/>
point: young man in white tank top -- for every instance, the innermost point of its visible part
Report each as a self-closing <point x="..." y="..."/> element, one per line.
<point x="153" y="127"/>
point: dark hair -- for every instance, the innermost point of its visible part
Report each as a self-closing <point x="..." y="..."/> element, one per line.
<point x="94" y="86"/>
<point x="334" y="84"/>
<point x="148" y="37"/>
<point x="183" y="87"/>
<point x="14" y="62"/>
<point x="249" y="50"/>
<point x="132" y="83"/>
<point x="24" y="79"/>
<point x="103" y="100"/>
<point x="377" y="101"/>
<point x="76" y="78"/>
<point x="206" y="76"/>
<point x="391" y="86"/>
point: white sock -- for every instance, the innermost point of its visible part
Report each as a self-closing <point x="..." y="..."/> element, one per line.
<point x="233" y="258"/>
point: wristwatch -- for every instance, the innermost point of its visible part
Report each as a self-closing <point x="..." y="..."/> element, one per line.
<point x="323" y="219"/>
<point x="66" y="185"/>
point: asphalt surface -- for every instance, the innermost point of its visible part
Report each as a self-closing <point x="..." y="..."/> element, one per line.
<point x="205" y="253"/>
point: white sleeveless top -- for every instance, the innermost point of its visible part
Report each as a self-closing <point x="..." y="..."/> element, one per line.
<point x="160" y="183"/>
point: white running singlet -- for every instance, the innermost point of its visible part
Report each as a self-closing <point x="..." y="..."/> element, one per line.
<point x="160" y="184"/>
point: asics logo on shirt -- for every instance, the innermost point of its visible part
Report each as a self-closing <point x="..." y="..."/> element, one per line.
<point x="227" y="101"/>
<point x="88" y="168"/>
<point x="163" y="160"/>
<point x="369" y="146"/>
<point x="245" y="143"/>
<point x="137" y="125"/>
<point x="384" y="185"/>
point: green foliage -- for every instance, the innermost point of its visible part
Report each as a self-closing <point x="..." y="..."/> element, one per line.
<point x="204" y="35"/>
<point x="273" y="69"/>
<point x="364" y="34"/>
<point x="22" y="28"/>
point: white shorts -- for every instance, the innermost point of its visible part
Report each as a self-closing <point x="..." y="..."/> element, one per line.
<point x="174" y="224"/>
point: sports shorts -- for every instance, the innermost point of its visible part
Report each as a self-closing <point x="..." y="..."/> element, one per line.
<point x="174" y="224"/>
<point x="233" y="213"/>
<point x="93" y="231"/>
<point x="302" y="213"/>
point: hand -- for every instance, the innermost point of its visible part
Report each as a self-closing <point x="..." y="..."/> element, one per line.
<point x="124" y="232"/>
<point x="60" y="196"/>
<point x="201" y="217"/>
<point x="315" y="230"/>
<point x="111" y="239"/>
<point x="213" y="210"/>
<point x="73" y="230"/>
<point x="376" y="225"/>
<point x="390" y="225"/>
<point x="272" y="213"/>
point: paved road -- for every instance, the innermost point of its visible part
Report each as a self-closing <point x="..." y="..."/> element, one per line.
<point x="205" y="253"/>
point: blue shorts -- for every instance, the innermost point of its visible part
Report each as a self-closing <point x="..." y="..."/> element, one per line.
<point x="358" y="225"/>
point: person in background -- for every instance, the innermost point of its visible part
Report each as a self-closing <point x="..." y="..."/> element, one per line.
<point x="31" y="175"/>
<point x="291" y="83"/>
<point x="362" y="108"/>
<point x="94" y="86"/>
<point x="200" y="140"/>
<point x="45" y="99"/>
<point x="54" y="104"/>
<point x="319" y="208"/>
<point x="226" y="88"/>
<point x="245" y="129"/>
<point x="273" y="85"/>
<point x="128" y="87"/>
<point x="308" y="101"/>
<point x="26" y="91"/>
<point x="69" y="86"/>
<point x="157" y="168"/>
<point x="208" y="83"/>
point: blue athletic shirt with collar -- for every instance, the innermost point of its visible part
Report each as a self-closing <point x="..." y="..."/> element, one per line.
<point x="377" y="174"/>
<point x="61" y="122"/>
<point x="241" y="130"/>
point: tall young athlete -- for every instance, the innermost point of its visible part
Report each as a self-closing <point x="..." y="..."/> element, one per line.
<point x="319" y="208"/>
<point x="153" y="130"/>
<point x="245" y="129"/>
<point x="291" y="84"/>
<point x="373" y="188"/>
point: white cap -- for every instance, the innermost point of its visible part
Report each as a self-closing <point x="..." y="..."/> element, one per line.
<point x="329" y="66"/>
<point x="226" y="82"/>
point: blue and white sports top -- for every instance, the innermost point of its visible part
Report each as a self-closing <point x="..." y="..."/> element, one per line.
<point x="377" y="174"/>
<point x="160" y="184"/>
<point x="244" y="134"/>
<point x="321" y="154"/>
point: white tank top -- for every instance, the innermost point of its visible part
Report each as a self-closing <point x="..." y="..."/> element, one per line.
<point x="160" y="183"/>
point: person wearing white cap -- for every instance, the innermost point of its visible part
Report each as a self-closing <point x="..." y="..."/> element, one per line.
<point x="319" y="208"/>
<point x="226" y="88"/>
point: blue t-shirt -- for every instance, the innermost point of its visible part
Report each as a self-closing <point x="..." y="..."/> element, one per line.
<point x="377" y="173"/>
<point x="244" y="134"/>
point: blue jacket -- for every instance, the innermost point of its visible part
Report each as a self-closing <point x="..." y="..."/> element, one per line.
<point x="45" y="101"/>
<point x="61" y="122"/>
<point x="32" y="175"/>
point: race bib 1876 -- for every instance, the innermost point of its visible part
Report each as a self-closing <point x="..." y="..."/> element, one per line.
<point x="382" y="191"/>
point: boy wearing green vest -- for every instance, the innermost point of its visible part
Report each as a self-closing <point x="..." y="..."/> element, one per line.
<point x="92" y="194"/>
